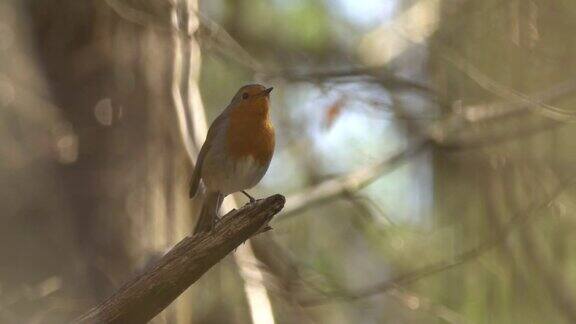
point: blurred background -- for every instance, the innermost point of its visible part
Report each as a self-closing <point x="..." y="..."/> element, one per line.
<point x="426" y="149"/>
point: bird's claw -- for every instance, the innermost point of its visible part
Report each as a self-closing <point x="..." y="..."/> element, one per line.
<point x="252" y="199"/>
<point x="215" y="222"/>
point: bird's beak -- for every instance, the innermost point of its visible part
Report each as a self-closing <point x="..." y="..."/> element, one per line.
<point x="267" y="91"/>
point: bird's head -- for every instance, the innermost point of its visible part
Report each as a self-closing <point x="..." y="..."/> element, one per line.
<point x="253" y="97"/>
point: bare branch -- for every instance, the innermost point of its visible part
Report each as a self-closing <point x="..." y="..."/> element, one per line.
<point x="415" y="302"/>
<point x="519" y="218"/>
<point x="148" y="294"/>
<point x="509" y="94"/>
<point x="439" y="135"/>
<point x="496" y="110"/>
<point x="553" y="278"/>
<point x="374" y="74"/>
<point x="495" y="139"/>
<point x="349" y="183"/>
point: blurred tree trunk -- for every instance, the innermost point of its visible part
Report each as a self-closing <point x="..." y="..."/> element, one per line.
<point x="525" y="46"/>
<point x="121" y="168"/>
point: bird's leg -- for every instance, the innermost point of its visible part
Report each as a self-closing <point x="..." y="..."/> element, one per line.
<point x="252" y="199"/>
<point x="213" y="225"/>
<point x="215" y="221"/>
<point x="216" y="218"/>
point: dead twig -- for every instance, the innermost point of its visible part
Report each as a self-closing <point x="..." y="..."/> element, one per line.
<point x="148" y="294"/>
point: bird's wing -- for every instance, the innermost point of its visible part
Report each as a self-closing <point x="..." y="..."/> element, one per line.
<point x="212" y="132"/>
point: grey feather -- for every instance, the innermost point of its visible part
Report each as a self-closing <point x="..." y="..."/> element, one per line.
<point x="215" y="128"/>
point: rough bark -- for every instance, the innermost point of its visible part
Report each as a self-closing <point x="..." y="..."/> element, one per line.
<point x="149" y="293"/>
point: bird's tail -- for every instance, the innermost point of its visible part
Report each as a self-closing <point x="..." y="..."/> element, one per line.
<point x="209" y="212"/>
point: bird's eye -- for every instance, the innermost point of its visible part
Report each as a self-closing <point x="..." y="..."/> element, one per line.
<point x="245" y="95"/>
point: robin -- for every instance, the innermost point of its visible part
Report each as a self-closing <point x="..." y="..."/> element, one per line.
<point x="236" y="153"/>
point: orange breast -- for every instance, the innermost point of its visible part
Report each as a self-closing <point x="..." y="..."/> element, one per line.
<point x="250" y="133"/>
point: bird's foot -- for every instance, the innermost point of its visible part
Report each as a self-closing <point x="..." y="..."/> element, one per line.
<point x="215" y="222"/>
<point x="252" y="199"/>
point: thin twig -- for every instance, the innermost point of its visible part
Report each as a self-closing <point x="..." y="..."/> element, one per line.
<point x="440" y="132"/>
<point x="415" y="302"/>
<point x="496" y="139"/>
<point x="444" y="265"/>
<point x="351" y="182"/>
<point x="504" y="92"/>
<point x="375" y="74"/>
<point x="500" y="109"/>
<point x="553" y="278"/>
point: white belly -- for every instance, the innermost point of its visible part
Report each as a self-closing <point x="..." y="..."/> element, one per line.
<point x="229" y="176"/>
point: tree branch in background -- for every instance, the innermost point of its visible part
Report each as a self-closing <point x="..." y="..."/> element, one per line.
<point x="148" y="294"/>
<point x="500" y="109"/>
<point x="349" y="183"/>
<point x="416" y="302"/>
<point x="375" y="74"/>
<point x="554" y="280"/>
<point x="439" y="135"/>
<point x="409" y="277"/>
<point x="504" y="92"/>
<point x="524" y="132"/>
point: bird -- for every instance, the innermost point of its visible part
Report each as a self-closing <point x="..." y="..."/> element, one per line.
<point x="236" y="154"/>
